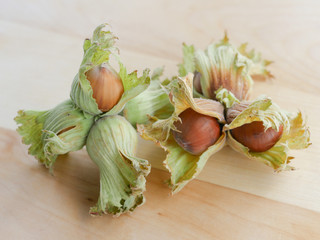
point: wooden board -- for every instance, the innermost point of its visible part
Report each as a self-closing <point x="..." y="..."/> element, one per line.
<point x="233" y="198"/>
<point x="37" y="205"/>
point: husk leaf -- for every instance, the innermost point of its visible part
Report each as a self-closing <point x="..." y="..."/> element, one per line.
<point x="220" y="65"/>
<point x="188" y="62"/>
<point x="58" y="131"/>
<point x="154" y="101"/>
<point x="111" y="144"/>
<point x="223" y="66"/>
<point x="258" y="70"/>
<point x="30" y="128"/>
<point x="66" y="116"/>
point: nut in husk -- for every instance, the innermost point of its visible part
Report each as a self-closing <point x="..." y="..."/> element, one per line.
<point x="262" y="131"/>
<point x="57" y="131"/>
<point x="223" y="65"/>
<point x="106" y="85"/>
<point x="97" y="88"/>
<point x="111" y="144"/>
<point x="184" y="135"/>
<point x="220" y="65"/>
<point x="196" y="132"/>
<point x="255" y="137"/>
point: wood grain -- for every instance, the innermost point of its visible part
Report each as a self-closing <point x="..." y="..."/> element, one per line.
<point x="44" y="41"/>
<point x="37" y="205"/>
<point x="234" y="198"/>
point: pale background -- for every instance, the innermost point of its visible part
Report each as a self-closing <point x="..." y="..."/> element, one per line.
<point x="40" y="52"/>
<point x="41" y="41"/>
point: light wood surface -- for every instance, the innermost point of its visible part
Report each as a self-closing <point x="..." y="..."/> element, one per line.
<point x="234" y="198"/>
<point x="37" y="205"/>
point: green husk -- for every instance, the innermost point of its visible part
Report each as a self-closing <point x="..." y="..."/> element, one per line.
<point x="182" y="165"/>
<point x="43" y="131"/>
<point x="99" y="50"/>
<point x="223" y="65"/>
<point x="154" y="101"/>
<point x="111" y="144"/>
<point x="31" y="126"/>
<point x="188" y="64"/>
<point x="226" y="97"/>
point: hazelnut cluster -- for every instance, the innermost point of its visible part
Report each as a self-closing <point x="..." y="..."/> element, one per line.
<point x="212" y="108"/>
<point x="191" y="116"/>
<point x="91" y="117"/>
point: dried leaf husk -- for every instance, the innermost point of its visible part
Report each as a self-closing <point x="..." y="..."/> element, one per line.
<point x="223" y="65"/>
<point x="111" y="144"/>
